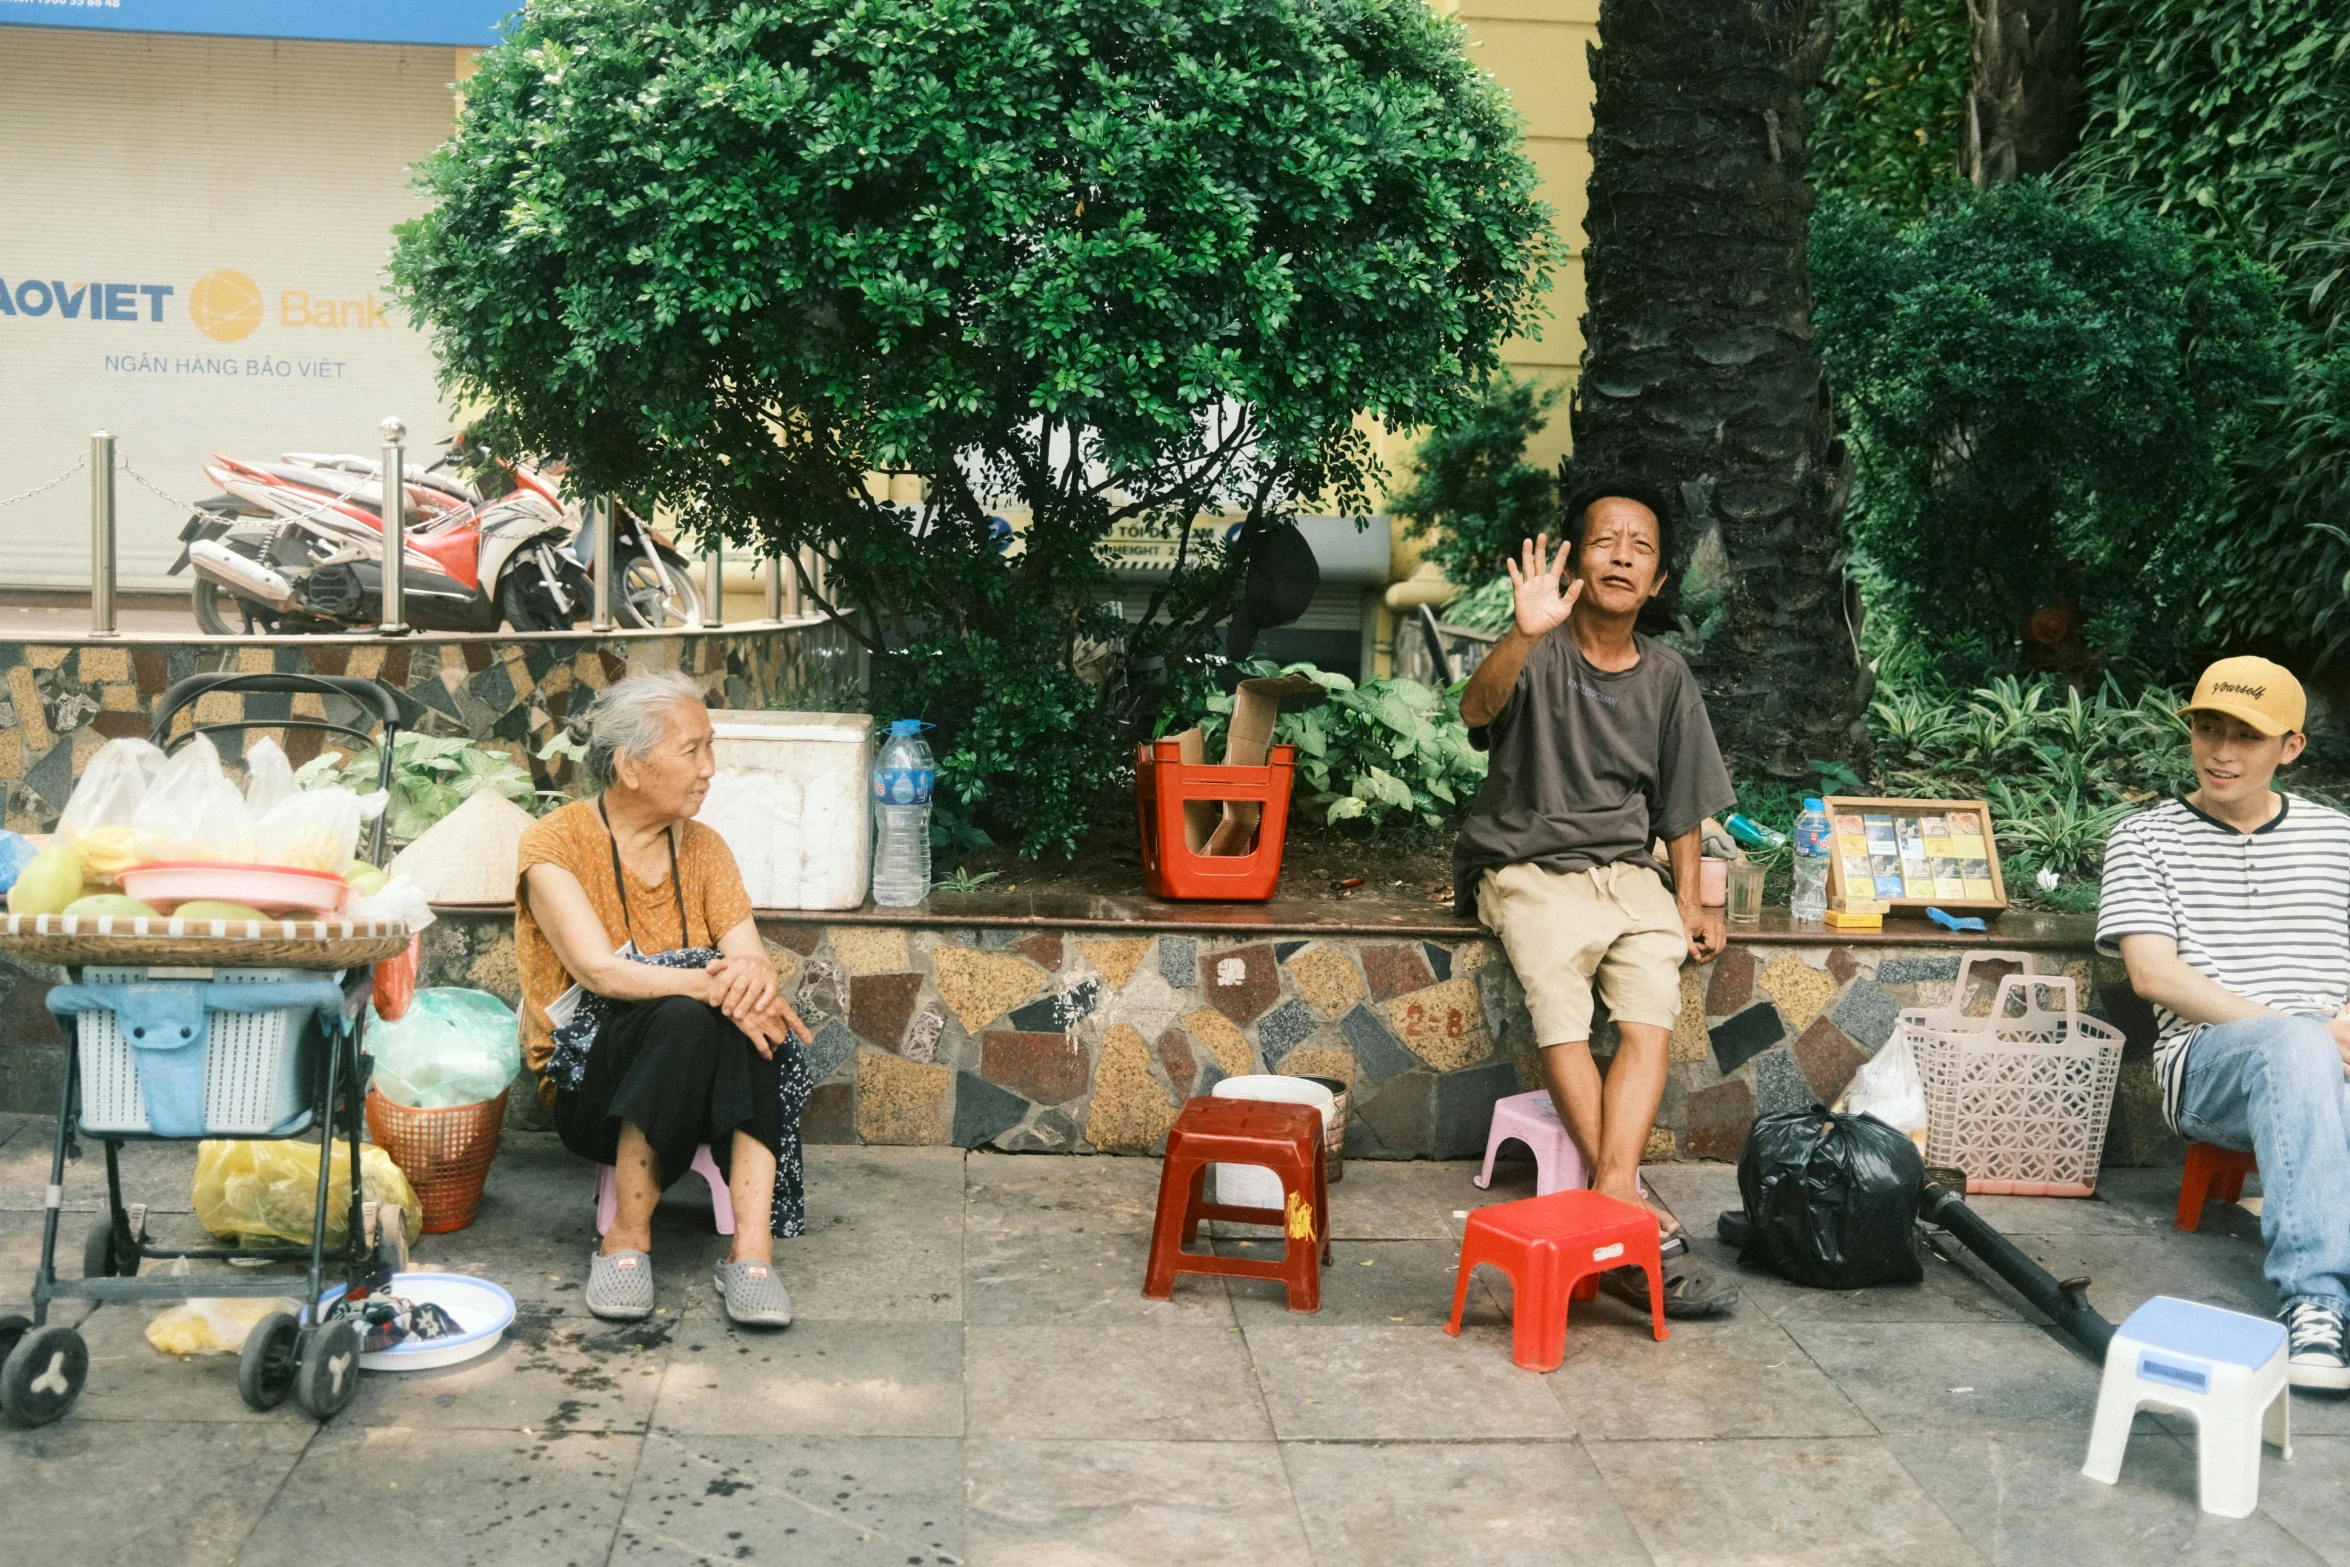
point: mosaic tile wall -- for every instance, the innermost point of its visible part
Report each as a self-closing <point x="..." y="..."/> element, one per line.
<point x="1075" y="1042"/>
<point x="64" y="700"/>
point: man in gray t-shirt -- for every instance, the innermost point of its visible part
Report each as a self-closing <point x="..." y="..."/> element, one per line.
<point x="1600" y="746"/>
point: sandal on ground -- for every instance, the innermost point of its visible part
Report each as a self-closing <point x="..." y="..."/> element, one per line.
<point x="753" y="1296"/>
<point x="620" y="1287"/>
<point x="1690" y="1290"/>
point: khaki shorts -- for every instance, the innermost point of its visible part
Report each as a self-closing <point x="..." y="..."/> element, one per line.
<point x="1563" y="930"/>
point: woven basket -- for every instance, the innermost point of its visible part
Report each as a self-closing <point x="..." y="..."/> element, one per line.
<point x="2018" y="1100"/>
<point x="445" y="1154"/>
<point x="148" y="941"/>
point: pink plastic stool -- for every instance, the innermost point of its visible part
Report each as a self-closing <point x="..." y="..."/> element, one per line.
<point x="1534" y="1121"/>
<point x="721" y="1205"/>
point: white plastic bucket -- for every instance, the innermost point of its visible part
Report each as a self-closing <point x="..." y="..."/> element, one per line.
<point x="1252" y="1185"/>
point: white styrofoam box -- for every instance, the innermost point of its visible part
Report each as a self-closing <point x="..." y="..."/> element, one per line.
<point x="789" y="799"/>
<point x="256" y="1075"/>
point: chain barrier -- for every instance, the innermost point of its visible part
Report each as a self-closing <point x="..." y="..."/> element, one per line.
<point x="79" y="463"/>
<point x="123" y="464"/>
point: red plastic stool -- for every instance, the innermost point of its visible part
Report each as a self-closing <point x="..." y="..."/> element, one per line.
<point x="1165" y="785"/>
<point x="2212" y="1171"/>
<point x="1554" y="1248"/>
<point x="1285" y="1138"/>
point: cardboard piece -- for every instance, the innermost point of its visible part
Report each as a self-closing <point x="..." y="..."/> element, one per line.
<point x="1256" y="706"/>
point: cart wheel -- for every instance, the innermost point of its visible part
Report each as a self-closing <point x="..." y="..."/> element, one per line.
<point x="327" y="1375"/>
<point x="265" y="1370"/>
<point x="12" y="1329"/>
<point x="43" y="1375"/>
<point x="104" y="1256"/>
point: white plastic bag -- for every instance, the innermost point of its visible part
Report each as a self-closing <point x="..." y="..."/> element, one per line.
<point x="269" y="778"/>
<point x="193" y="812"/>
<point x="1889" y="1088"/>
<point x="399" y="901"/>
<point x="451" y="1047"/>
<point x="313" y="830"/>
<point x="98" y="818"/>
<point x="211" y="1327"/>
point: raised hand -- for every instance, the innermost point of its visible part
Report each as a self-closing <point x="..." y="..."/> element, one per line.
<point x="1540" y="590"/>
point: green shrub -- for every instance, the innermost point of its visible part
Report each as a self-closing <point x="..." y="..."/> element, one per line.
<point x="431" y="776"/>
<point x="1890" y="105"/>
<point x="1473" y="495"/>
<point x="1391" y="753"/>
<point x="2043" y="400"/>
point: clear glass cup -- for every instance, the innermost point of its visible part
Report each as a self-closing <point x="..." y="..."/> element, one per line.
<point x="1746" y="893"/>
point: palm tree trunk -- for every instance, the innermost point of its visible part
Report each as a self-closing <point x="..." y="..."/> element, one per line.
<point x="1700" y="373"/>
<point x="2019" y="110"/>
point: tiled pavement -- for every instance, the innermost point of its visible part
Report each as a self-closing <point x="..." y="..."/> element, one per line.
<point x="975" y="1376"/>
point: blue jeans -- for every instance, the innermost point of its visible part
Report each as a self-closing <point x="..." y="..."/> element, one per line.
<point x="2273" y="1086"/>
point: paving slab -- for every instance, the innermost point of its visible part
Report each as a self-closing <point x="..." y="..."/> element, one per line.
<point x="2023" y="1500"/>
<point x="86" y="1491"/>
<point x="1170" y="1381"/>
<point x="464" y="1498"/>
<point x="1819" y="1502"/>
<point x="1399" y="1384"/>
<point x="808" y="1501"/>
<point x="2126" y="1271"/>
<point x="1400" y="1200"/>
<point x="557" y="1370"/>
<point x="1954" y="1377"/>
<point x="132" y="1381"/>
<point x="1739" y="1376"/>
<point x="1054" y="1254"/>
<point x="1402" y="1504"/>
<point x="1367" y="1283"/>
<point x="161" y="1175"/>
<point x="815" y="1379"/>
<point x="884" y="1238"/>
<point x="2310" y="1496"/>
<point x="1949" y="1292"/>
<point x="1076" y="1503"/>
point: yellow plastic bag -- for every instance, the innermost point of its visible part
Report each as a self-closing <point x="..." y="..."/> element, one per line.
<point x="260" y="1191"/>
<point x="211" y="1327"/>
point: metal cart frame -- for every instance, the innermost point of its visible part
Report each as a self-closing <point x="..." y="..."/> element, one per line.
<point x="42" y="1366"/>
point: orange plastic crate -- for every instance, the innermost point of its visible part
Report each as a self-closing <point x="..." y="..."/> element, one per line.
<point x="1164" y="783"/>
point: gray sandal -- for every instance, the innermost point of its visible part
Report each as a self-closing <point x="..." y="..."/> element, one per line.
<point x="1690" y="1291"/>
<point x="753" y="1296"/>
<point x="620" y="1287"/>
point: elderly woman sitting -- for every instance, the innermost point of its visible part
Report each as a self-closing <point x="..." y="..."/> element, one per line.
<point x="650" y="1005"/>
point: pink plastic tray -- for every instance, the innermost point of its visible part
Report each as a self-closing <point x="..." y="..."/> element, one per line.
<point x="170" y="883"/>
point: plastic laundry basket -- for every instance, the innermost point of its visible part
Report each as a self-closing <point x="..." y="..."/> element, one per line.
<point x="256" y="1075"/>
<point x="2018" y="1099"/>
<point x="445" y="1154"/>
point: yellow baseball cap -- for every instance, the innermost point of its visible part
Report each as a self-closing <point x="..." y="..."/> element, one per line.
<point x="2260" y="693"/>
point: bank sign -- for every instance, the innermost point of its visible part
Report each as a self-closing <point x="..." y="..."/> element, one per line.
<point x="457" y="22"/>
<point x="225" y="305"/>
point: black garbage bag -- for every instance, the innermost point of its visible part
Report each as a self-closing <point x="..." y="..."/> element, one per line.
<point x="1831" y="1200"/>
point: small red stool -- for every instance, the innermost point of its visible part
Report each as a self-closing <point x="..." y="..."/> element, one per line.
<point x="1286" y="1139"/>
<point x="1554" y="1248"/>
<point x="2212" y="1171"/>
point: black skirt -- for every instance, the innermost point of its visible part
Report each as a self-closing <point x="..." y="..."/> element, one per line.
<point x="684" y="1075"/>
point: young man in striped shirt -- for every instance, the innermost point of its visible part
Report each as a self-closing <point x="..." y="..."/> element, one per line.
<point x="2231" y="909"/>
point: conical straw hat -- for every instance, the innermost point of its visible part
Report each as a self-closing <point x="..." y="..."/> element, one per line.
<point x="471" y="855"/>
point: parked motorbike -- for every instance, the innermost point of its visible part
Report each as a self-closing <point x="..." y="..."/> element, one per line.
<point x="297" y="546"/>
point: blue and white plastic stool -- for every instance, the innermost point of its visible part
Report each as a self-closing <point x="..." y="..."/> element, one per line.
<point x="2222" y="1369"/>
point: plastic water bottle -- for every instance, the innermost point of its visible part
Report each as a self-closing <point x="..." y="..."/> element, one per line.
<point x="1811" y="862"/>
<point x="902" y="777"/>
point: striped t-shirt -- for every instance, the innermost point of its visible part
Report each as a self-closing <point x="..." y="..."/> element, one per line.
<point x="2265" y="913"/>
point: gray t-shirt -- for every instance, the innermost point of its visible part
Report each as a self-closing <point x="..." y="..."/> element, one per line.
<point x="1590" y="766"/>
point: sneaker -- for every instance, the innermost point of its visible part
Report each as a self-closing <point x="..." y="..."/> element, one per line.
<point x="753" y="1296"/>
<point x="620" y="1287"/>
<point x="2313" y="1355"/>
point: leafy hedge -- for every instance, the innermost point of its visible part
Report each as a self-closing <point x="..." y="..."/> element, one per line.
<point x="1891" y="102"/>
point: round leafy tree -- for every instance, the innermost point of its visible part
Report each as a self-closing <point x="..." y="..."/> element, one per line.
<point x="1138" y="267"/>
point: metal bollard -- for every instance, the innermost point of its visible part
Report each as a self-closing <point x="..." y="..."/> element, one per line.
<point x="394" y="476"/>
<point x="102" y="535"/>
<point x="714" y="586"/>
<point x="600" y="518"/>
<point x="775" y="587"/>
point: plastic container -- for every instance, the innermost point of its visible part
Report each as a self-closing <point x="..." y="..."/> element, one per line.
<point x="270" y="888"/>
<point x="1252" y="1185"/>
<point x="1167" y="789"/>
<point x="1334" y="1127"/>
<point x="902" y="781"/>
<point x="1810" y="901"/>
<point x="482" y="1309"/>
<point x="256" y="1075"/>
<point x="788" y="798"/>
<point x="445" y="1154"/>
<point x="2017" y="1099"/>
